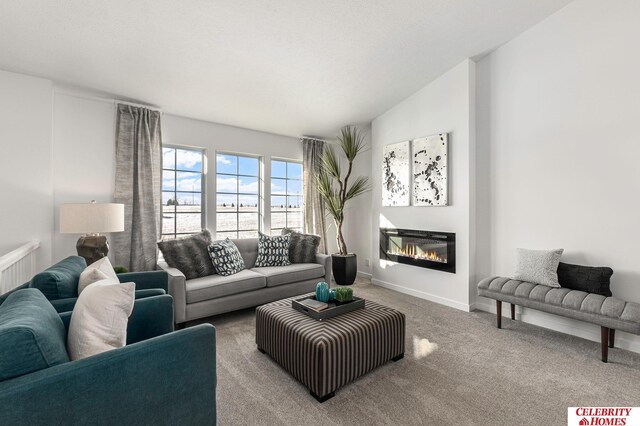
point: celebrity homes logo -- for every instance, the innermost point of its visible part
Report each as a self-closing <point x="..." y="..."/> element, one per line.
<point x="603" y="416"/>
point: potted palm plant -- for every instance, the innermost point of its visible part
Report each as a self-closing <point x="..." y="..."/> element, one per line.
<point x="336" y="189"/>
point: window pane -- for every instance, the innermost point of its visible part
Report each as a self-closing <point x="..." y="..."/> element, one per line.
<point x="278" y="186"/>
<point x="294" y="187"/>
<point x="278" y="169"/>
<point x="247" y="221"/>
<point x="248" y="203"/>
<point x="248" y="166"/>
<point x="294" y="170"/>
<point x="294" y="220"/>
<point x="248" y="234"/>
<point x="189" y="202"/>
<point x="278" y="220"/>
<point x="223" y="235"/>
<point x="226" y="202"/>
<point x="226" y="222"/>
<point x="167" y="223"/>
<point x="168" y="180"/>
<point x="189" y="160"/>
<point x="188" y="181"/>
<point x="226" y="164"/>
<point x="275" y="232"/>
<point x="248" y="185"/>
<point x="278" y="203"/>
<point x="168" y="204"/>
<point x="168" y="158"/>
<point x="188" y="223"/>
<point x="294" y="203"/>
<point x="226" y="183"/>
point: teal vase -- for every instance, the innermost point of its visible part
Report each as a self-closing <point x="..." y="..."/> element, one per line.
<point x="332" y="294"/>
<point x="322" y="292"/>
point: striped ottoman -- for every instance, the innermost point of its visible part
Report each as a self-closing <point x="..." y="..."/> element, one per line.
<point x="325" y="355"/>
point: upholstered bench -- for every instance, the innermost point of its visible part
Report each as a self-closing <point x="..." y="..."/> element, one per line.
<point x="609" y="313"/>
<point x="326" y="355"/>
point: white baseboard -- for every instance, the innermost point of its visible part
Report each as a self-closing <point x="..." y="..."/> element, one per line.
<point x="422" y="295"/>
<point x="558" y="323"/>
<point x="364" y="274"/>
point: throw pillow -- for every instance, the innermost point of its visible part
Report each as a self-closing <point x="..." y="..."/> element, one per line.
<point x="273" y="251"/>
<point x="99" y="319"/>
<point x="302" y="247"/>
<point x="97" y="271"/>
<point x="32" y="335"/>
<point x="585" y="278"/>
<point x="189" y="255"/>
<point x="538" y="266"/>
<point x="226" y="257"/>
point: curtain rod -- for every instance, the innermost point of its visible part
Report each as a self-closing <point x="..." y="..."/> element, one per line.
<point x="313" y="139"/>
<point x="101" y="99"/>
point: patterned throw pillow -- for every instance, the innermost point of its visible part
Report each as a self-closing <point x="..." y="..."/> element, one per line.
<point x="226" y="257"/>
<point x="273" y="251"/>
<point x="303" y="248"/>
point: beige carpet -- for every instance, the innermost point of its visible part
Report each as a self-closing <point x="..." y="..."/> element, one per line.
<point x="477" y="375"/>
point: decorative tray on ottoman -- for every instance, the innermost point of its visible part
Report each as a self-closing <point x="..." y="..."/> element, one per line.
<point x="335" y="308"/>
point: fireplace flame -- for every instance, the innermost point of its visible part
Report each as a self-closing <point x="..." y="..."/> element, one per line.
<point x="415" y="252"/>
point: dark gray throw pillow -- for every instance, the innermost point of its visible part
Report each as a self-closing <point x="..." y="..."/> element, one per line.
<point x="302" y="247"/>
<point x="586" y="278"/>
<point x="189" y="255"/>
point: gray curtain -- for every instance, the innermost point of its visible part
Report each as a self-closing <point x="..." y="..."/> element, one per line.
<point x="138" y="174"/>
<point x="314" y="215"/>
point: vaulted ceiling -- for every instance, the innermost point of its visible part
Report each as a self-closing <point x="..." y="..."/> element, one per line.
<point x="284" y="66"/>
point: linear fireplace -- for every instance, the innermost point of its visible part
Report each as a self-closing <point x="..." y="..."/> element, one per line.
<point x="426" y="249"/>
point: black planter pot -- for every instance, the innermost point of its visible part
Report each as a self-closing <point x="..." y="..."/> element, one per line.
<point x="345" y="268"/>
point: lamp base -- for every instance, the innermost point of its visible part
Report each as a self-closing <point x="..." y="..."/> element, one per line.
<point x="92" y="247"/>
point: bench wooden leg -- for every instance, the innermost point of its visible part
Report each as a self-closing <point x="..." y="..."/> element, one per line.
<point x="612" y="337"/>
<point x="513" y="311"/>
<point x="499" y="313"/>
<point x="604" y="343"/>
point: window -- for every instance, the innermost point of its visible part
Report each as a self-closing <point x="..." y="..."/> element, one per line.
<point x="183" y="192"/>
<point x="286" y="196"/>
<point x="237" y="196"/>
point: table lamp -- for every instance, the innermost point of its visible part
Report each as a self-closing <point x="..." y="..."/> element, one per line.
<point x="91" y="219"/>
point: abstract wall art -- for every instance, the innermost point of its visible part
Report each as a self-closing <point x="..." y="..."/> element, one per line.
<point x="430" y="170"/>
<point x="396" y="166"/>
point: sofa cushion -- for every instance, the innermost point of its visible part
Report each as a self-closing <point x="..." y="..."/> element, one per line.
<point x="215" y="286"/>
<point x="248" y="248"/>
<point x="189" y="255"/>
<point x="61" y="280"/>
<point x="32" y="335"/>
<point x="585" y="278"/>
<point x="279" y="275"/>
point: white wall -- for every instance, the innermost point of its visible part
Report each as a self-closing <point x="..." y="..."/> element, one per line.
<point x="25" y="164"/>
<point x="83" y="159"/>
<point x="445" y="105"/>
<point x="558" y="129"/>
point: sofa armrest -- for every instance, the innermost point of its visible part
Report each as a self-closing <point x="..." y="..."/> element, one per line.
<point x="67" y="305"/>
<point x="146" y="280"/>
<point x="177" y="290"/>
<point x="325" y="260"/>
<point x="170" y="379"/>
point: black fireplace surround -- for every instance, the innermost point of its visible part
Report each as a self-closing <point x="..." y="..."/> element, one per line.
<point x="426" y="249"/>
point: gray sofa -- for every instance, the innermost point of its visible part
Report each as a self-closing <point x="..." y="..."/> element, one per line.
<point x="217" y="294"/>
<point x="609" y="313"/>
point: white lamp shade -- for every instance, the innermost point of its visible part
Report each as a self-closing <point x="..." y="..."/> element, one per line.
<point x="91" y="218"/>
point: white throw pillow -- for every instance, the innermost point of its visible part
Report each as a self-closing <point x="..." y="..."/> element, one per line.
<point x="99" y="318"/>
<point x="538" y="266"/>
<point x="89" y="277"/>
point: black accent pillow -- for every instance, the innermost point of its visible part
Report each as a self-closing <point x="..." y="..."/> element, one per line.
<point x="190" y="255"/>
<point x="273" y="251"/>
<point x="585" y="278"/>
<point x="302" y="247"/>
<point x="226" y="257"/>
